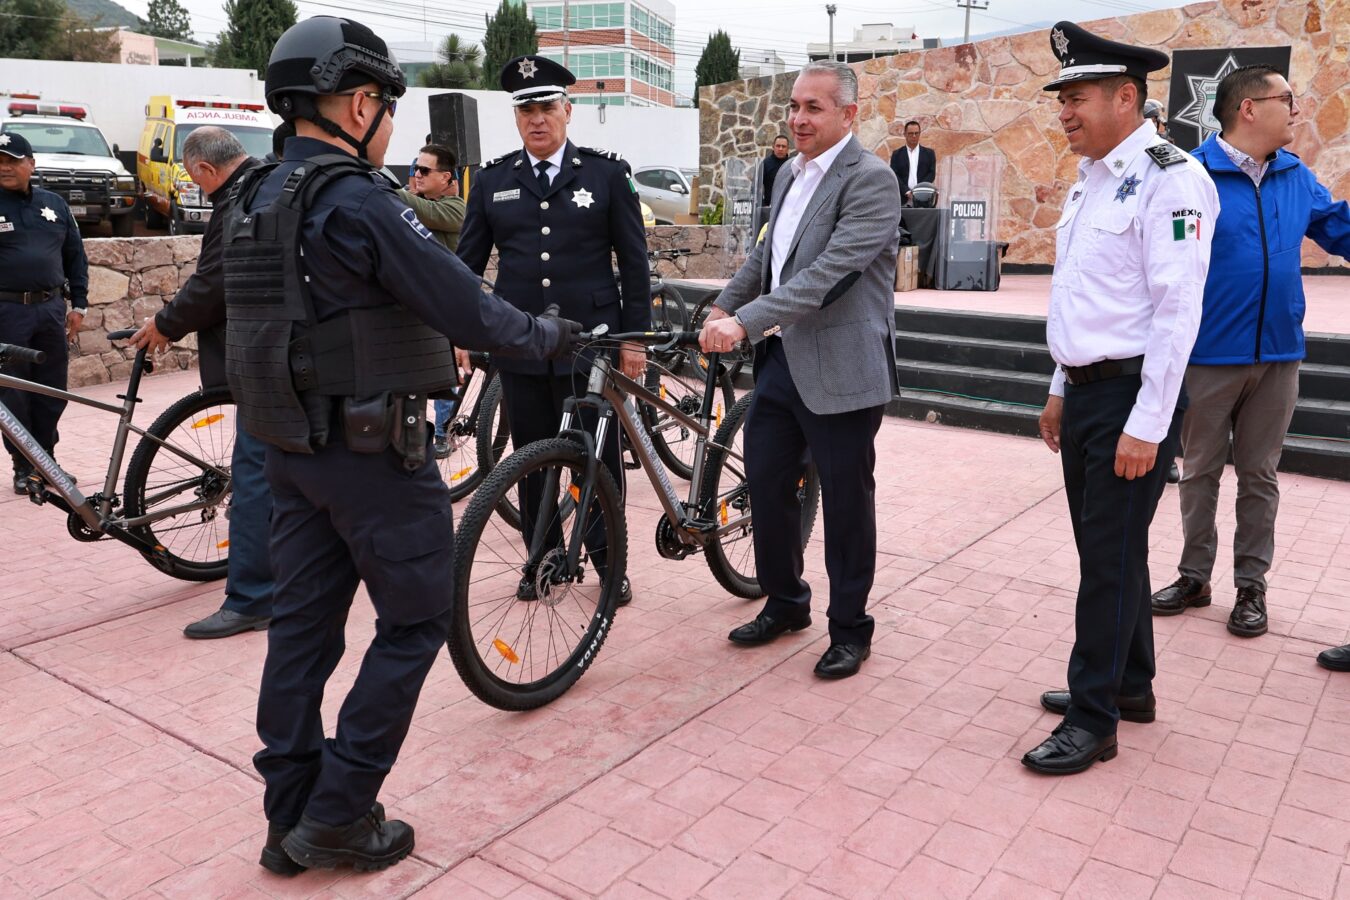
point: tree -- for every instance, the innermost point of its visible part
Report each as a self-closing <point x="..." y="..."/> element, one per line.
<point x="168" y="19"/>
<point x="459" y="68"/>
<point x="27" y="27"/>
<point x="253" y="29"/>
<point x="78" y="40"/>
<point x="510" y="33"/>
<point x="718" y="63"/>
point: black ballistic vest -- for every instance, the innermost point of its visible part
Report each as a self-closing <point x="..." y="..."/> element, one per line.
<point x="285" y="368"/>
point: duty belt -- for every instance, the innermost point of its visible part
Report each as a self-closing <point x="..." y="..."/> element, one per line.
<point x="29" y="298"/>
<point x="1107" y="368"/>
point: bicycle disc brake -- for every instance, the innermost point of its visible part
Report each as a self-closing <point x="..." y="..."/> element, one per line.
<point x="552" y="577"/>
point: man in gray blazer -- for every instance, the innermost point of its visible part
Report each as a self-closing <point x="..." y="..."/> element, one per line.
<point x="816" y="296"/>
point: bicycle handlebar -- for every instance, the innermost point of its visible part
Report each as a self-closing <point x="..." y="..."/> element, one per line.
<point x="668" y="338"/>
<point x="15" y="353"/>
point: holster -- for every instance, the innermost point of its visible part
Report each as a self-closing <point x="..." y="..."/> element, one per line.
<point x="409" y="435"/>
<point x="368" y="422"/>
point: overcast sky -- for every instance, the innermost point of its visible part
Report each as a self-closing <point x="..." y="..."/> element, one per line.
<point x="786" y="27"/>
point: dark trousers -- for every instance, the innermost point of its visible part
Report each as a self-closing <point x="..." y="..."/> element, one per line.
<point x="38" y="327"/>
<point x="248" y="584"/>
<point x="780" y="432"/>
<point x="1113" y="649"/>
<point x="533" y="406"/>
<point x="338" y="518"/>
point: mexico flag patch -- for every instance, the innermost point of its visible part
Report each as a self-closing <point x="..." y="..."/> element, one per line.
<point x="1185" y="224"/>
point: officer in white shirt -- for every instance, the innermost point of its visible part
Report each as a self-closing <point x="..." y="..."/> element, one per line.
<point x="1130" y="266"/>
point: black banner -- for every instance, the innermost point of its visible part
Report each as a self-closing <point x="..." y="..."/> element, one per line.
<point x="1195" y="77"/>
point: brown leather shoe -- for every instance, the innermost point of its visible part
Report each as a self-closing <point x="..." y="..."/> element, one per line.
<point x="1249" y="613"/>
<point x="1185" y="591"/>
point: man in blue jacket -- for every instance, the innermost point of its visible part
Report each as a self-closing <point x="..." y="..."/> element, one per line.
<point x="1243" y="373"/>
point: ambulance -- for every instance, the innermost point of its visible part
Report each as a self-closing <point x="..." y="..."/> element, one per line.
<point x="170" y="196"/>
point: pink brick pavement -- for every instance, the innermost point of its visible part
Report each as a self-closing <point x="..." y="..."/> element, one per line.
<point x="681" y="766"/>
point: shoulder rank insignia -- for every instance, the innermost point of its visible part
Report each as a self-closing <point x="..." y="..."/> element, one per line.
<point x="492" y="162"/>
<point x="596" y="151"/>
<point x="1165" y="155"/>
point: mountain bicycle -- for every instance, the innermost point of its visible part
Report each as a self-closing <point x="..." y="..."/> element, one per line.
<point x="173" y="503"/>
<point x="532" y="611"/>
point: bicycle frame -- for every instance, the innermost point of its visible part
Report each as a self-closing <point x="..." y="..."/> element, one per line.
<point x="62" y="492"/>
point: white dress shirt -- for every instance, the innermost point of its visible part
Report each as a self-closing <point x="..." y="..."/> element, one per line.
<point x="913" y="166"/>
<point x="1132" y="254"/>
<point x="806" y="177"/>
<point x="554" y="162"/>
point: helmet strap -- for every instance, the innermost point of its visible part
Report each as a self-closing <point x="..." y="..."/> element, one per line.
<point x="361" y="146"/>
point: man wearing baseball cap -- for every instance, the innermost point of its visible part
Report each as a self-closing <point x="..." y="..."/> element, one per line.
<point x="40" y="253"/>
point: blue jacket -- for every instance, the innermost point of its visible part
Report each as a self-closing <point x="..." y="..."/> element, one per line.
<point x="1253" y="310"/>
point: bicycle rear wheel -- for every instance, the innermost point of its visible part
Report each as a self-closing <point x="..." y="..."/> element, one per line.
<point x="524" y="628"/>
<point x="462" y="468"/>
<point x="494" y="442"/>
<point x="726" y="498"/>
<point x="196" y="543"/>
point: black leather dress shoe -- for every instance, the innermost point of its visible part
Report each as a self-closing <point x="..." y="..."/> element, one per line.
<point x="1337" y="659"/>
<point x="274" y="858"/>
<point x="842" y="660"/>
<point x="367" y="845"/>
<point x="1132" y="709"/>
<point x="225" y="622"/>
<point x="1248" y="618"/>
<point x="1185" y="591"/>
<point x="1070" y="750"/>
<point x="765" y="628"/>
<point x="1174" y="474"/>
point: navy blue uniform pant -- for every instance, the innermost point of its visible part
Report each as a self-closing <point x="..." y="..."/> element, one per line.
<point x="780" y="432"/>
<point x="533" y="405"/>
<point x="248" y="583"/>
<point x="341" y="517"/>
<point x="41" y="326"/>
<point x="1113" y="647"/>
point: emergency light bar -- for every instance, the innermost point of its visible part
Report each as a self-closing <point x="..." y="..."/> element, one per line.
<point x="219" y="104"/>
<point x="31" y="106"/>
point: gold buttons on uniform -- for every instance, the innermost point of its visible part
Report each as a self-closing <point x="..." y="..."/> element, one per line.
<point x="544" y="257"/>
<point x="546" y="282"/>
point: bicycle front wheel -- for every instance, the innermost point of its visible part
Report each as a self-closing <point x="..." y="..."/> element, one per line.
<point x="196" y="539"/>
<point x="525" y="626"/>
<point x="726" y="501"/>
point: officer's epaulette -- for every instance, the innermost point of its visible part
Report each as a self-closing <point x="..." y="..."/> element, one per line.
<point x="596" y="151"/>
<point x="1165" y="155"/>
<point x="492" y="162"/>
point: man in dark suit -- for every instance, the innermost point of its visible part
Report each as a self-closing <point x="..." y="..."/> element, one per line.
<point x="913" y="164"/>
<point x="816" y="296"/>
<point x="556" y="212"/>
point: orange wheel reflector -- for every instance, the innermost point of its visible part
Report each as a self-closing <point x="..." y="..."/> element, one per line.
<point x="208" y="421"/>
<point x="723" y="510"/>
<point x="719" y="415"/>
<point x="461" y="473"/>
<point x="223" y="544"/>
<point x="505" y="650"/>
<point x="663" y="392"/>
<point x="575" y="492"/>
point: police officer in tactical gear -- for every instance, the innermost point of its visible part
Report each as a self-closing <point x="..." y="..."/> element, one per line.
<point x="558" y="214"/>
<point x="339" y="304"/>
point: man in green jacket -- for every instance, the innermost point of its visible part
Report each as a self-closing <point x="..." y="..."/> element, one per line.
<point x="434" y="196"/>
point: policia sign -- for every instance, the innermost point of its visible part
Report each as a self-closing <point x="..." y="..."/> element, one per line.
<point x="1195" y="78"/>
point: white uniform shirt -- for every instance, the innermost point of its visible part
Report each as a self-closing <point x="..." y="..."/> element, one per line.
<point x="806" y="177"/>
<point x="554" y="162"/>
<point x="1131" y="256"/>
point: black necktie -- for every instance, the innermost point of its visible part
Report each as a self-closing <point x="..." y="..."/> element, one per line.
<point x="542" y="168"/>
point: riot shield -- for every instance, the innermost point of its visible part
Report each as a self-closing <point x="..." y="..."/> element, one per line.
<point x="972" y="249"/>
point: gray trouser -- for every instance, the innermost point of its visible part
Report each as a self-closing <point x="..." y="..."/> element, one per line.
<point x="1252" y="404"/>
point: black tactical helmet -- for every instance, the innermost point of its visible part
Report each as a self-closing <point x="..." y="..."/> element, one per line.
<point x="327" y="55"/>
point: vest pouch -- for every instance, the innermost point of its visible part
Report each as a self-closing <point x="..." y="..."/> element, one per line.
<point x="409" y="435"/>
<point x="368" y="423"/>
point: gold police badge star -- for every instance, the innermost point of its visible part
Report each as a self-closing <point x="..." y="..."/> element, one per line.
<point x="528" y="68"/>
<point x="583" y="198"/>
<point x="49" y="214"/>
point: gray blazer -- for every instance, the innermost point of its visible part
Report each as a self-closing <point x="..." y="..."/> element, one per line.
<point x="835" y="304"/>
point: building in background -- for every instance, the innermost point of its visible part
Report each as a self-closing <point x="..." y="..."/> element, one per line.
<point x="761" y="64"/>
<point x="627" y="47"/>
<point x="871" y="41"/>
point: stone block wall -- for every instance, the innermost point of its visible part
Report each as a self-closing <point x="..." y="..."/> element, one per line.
<point x="129" y="281"/>
<point x="988" y="98"/>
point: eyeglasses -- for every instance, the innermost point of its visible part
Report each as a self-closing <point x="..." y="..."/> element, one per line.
<point x="387" y="99"/>
<point x="1286" y="98"/>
